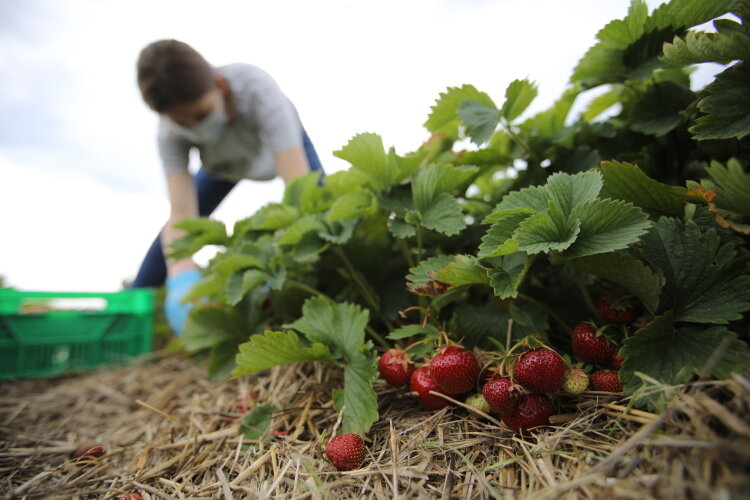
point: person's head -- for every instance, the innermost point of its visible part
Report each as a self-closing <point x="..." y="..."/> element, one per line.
<point x="175" y="80"/>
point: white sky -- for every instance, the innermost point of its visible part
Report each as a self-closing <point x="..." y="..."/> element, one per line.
<point x="81" y="189"/>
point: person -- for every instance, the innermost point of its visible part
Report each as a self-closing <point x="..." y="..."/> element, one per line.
<point x="243" y="126"/>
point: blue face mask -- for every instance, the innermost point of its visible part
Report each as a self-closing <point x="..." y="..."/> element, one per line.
<point x="208" y="131"/>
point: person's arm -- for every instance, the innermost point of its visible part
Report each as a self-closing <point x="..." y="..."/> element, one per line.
<point x="292" y="163"/>
<point x="183" y="202"/>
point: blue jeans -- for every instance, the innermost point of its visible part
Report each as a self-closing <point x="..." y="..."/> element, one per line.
<point x="211" y="191"/>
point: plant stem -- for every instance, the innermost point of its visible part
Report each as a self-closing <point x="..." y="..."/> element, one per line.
<point x="365" y="289"/>
<point x="377" y="337"/>
<point x="308" y="289"/>
<point x="519" y="140"/>
<point x="563" y="324"/>
<point x="406" y="251"/>
<point x="586" y="296"/>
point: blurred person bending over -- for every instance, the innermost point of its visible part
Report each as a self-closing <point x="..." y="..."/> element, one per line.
<point x="243" y="126"/>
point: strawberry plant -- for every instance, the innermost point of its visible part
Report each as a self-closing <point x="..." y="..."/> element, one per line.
<point x="644" y="196"/>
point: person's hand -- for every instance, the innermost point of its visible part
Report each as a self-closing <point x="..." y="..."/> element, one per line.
<point x="178" y="287"/>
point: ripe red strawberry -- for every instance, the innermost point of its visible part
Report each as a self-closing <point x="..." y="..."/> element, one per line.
<point x="606" y="381"/>
<point x="588" y="345"/>
<point x="540" y="370"/>
<point x="455" y="370"/>
<point x="346" y="452"/>
<point x="487" y="374"/>
<point x="422" y="383"/>
<point x="615" y="361"/>
<point x="617" y="310"/>
<point x="394" y="366"/>
<point x="91" y="451"/>
<point x="533" y="410"/>
<point x="576" y="381"/>
<point x="501" y="394"/>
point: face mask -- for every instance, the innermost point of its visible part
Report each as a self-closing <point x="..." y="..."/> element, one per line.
<point x="207" y="131"/>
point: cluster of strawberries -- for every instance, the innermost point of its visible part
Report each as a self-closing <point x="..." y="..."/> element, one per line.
<point x="515" y="385"/>
<point x="522" y="400"/>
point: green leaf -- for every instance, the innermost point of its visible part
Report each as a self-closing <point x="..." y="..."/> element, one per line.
<point x="338" y="232"/>
<point x="688" y="13"/>
<point x="353" y="205"/>
<point x="444" y="215"/>
<point x="341" y="327"/>
<point x="506" y="276"/>
<point x="599" y="65"/>
<point x="535" y="198"/>
<point x="221" y="362"/>
<point x="299" y="228"/>
<point x="487" y="325"/>
<point x="366" y="154"/>
<point x="226" y="264"/>
<point x="444" y="114"/>
<point x="571" y="191"/>
<point x="272" y="217"/>
<point x="705" y="281"/>
<point x="201" y="231"/>
<point x="412" y="330"/>
<point x="478" y="326"/>
<point x="734" y="183"/>
<point x="606" y="225"/>
<point x="210" y="285"/>
<point x="600" y="104"/>
<point x="304" y="192"/>
<point x="674" y="356"/>
<point x="518" y="96"/>
<point x="499" y="238"/>
<point x="463" y="270"/>
<point x="207" y="326"/>
<point x="480" y="120"/>
<point x="726" y="105"/>
<point x="360" y="403"/>
<point x="434" y="179"/>
<point x="661" y="109"/>
<point x="274" y="348"/>
<point x="256" y="422"/>
<point x="620" y="33"/>
<point x="420" y="275"/>
<point x="627" y="271"/>
<point x="528" y="319"/>
<point x="700" y="47"/>
<point x="547" y="231"/>
<point x="241" y="283"/>
<point x="627" y="182"/>
<point x="401" y="229"/>
<point x="630" y="48"/>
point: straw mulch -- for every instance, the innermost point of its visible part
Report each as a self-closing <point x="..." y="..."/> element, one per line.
<point x="169" y="433"/>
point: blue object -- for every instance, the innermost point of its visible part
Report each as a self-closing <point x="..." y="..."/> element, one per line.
<point x="178" y="287"/>
<point x="211" y="191"/>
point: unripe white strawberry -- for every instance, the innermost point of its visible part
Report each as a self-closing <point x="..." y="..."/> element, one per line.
<point x="576" y="381"/>
<point x="477" y="401"/>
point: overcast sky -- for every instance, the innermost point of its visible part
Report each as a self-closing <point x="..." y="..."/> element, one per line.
<point x="81" y="189"/>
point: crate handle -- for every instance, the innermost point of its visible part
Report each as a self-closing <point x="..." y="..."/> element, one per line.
<point x="39" y="305"/>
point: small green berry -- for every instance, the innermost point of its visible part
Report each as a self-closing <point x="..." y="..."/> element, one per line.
<point x="576" y="381"/>
<point x="477" y="401"/>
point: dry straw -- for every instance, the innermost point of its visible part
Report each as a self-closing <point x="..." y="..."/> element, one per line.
<point x="172" y="434"/>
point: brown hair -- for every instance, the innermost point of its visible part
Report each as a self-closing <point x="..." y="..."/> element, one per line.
<point x="170" y="73"/>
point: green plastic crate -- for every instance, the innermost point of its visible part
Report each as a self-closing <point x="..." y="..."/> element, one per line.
<point x="49" y="333"/>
